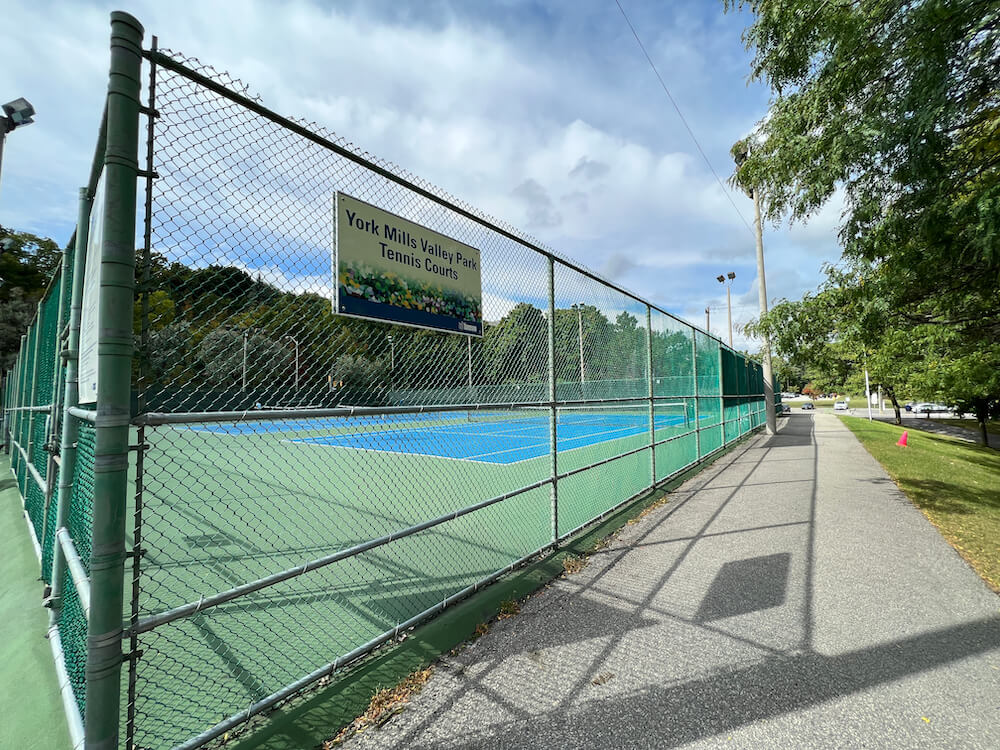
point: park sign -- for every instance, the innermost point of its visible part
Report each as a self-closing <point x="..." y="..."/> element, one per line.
<point x="90" y="313"/>
<point x="390" y="269"/>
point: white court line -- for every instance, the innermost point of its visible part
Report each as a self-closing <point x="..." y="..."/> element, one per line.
<point x="475" y="456"/>
<point x="472" y="457"/>
<point x="403" y="453"/>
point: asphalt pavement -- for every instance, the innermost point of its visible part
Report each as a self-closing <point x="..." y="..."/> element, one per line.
<point x="789" y="596"/>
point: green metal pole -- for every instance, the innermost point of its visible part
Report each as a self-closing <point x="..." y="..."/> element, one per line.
<point x="649" y="388"/>
<point x="70" y="424"/>
<point x="30" y="437"/>
<point x="15" y="421"/>
<point x="114" y="369"/>
<point x="22" y="363"/>
<point x="697" y="403"/>
<point x="553" y="419"/>
<point x="722" y="393"/>
<point x="53" y="400"/>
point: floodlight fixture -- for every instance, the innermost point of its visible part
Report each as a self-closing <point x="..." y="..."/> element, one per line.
<point x="729" y="300"/>
<point x="17" y="113"/>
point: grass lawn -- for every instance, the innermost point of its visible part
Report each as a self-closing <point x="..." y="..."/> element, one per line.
<point x="955" y="484"/>
<point x="991" y="427"/>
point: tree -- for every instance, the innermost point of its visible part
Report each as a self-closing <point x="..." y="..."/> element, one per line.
<point x="846" y="328"/>
<point x="360" y="381"/>
<point x="897" y="105"/>
<point x="15" y="314"/>
<point x="515" y="350"/>
<point x="27" y="263"/>
<point x="228" y="355"/>
<point x="841" y="330"/>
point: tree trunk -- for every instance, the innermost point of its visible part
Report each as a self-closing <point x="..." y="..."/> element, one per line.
<point x="891" y="393"/>
<point x="982" y="416"/>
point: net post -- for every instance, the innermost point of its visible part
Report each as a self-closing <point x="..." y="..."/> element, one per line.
<point x="649" y="384"/>
<point x="115" y="349"/>
<point x="553" y="447"/>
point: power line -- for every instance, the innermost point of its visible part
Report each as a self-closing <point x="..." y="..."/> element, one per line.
<point x="681" y="115"/>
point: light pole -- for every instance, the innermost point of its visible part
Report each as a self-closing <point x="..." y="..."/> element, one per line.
<point x="246" y="338"/>
<point x="729" y="301"/>
<point x="740" y="153"/>
<point x="579" y="325"/>
<point x="708" y="322"/>
<point x="295" y="341"/>
<point x="468" y="340"/>
<point x="15" y="114"/>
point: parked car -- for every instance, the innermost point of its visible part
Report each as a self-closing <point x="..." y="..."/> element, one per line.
<point x="808" y="405"/>
<point x="928" y="408"/>
<point x="784" y="410"/>
<point x="840" y="406"/>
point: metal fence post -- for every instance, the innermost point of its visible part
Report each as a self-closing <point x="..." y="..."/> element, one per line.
<point x="115" y="348"/>
<point x="652" y="407"/>
<point x="697" y="404"/>
<point x="30" y="438"/>
<point x="15" y="402"/>
<point x="553" y="444"/>
<point x="70" y="424"/>
<point x="22" y="377"/>
<point x="722" y="394"/>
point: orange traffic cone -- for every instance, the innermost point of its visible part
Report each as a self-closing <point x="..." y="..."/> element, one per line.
<point x="902" y="440"/>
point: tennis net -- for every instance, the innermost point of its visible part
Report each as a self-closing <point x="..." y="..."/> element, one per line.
<point x="665" y="414"/>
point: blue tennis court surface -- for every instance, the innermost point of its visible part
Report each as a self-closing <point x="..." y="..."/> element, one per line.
<point x="493" y="442"/>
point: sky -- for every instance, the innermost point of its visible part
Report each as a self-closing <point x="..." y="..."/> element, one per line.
<point x="545" y="115"/>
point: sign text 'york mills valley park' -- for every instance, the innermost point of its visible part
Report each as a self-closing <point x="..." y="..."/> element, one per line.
<point x="393" y="239"/>
<point x="392" y="269"/>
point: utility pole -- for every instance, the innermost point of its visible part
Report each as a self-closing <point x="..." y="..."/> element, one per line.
<point x="772" y="422"/>
<point x="708" y="321"/>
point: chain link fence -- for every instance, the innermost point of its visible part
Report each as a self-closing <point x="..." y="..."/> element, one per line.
<point x="33" y="417"/>
<point x="302" y="487"/>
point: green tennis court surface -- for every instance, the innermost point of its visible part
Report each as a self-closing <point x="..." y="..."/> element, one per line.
<point x="500" y="436"/>
<point x="227" y="504"/>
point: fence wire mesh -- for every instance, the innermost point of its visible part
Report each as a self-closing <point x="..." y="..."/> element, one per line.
<point x="378" y="471"/>
<point x="237" y="283"/>
<point x="33" y="417"/>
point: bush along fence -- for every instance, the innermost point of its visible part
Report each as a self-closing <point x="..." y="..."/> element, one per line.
<point x="236" y="491"/>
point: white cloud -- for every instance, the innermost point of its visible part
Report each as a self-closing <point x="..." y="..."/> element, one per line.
<point x="550" y="121"/>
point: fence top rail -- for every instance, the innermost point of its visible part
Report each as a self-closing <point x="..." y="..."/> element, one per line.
<point x="165" y="60"/>
<point x="154" y="419"/>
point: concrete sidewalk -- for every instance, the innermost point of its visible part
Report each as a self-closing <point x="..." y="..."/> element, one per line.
<point x="787" y="597"/>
